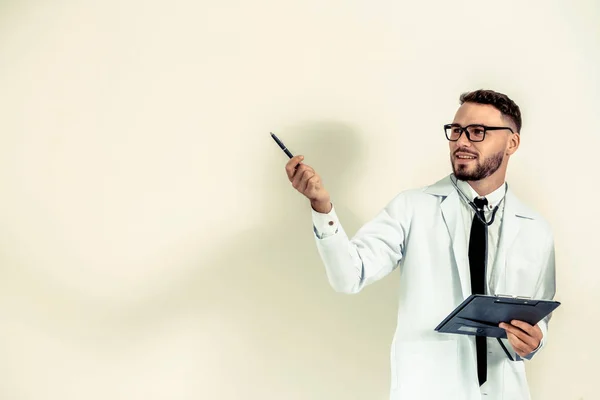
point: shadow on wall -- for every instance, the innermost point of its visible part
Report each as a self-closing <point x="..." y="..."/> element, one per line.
<point x="295" y="336"/>
<point x="9" y="9"/>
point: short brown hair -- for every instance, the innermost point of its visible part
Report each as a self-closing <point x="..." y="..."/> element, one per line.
<point x="499" y="101"/>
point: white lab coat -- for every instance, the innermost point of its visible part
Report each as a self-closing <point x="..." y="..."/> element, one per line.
<point x="421" y="232"/>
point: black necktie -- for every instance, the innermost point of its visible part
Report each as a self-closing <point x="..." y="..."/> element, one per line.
<point x="477" y="262"/>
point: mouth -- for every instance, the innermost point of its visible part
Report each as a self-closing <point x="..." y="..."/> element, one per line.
<point x="465" y="158"/>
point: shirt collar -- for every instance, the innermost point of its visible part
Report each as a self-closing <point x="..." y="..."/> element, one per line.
<point x="493" y="198"/>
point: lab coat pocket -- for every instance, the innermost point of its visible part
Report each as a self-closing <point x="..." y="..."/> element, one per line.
<point x="426" y="369"/>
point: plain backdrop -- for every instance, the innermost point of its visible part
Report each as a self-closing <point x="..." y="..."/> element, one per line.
<point x="151" y="246"/>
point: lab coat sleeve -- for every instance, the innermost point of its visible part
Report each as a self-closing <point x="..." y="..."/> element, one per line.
<point x="546" y="291"/>
<point x="371" y="254"/>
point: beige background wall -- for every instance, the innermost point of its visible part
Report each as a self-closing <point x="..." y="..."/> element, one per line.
<point x="150" y="244"/>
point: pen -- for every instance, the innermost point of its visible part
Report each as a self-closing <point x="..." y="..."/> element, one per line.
<point x="276" y="139"/>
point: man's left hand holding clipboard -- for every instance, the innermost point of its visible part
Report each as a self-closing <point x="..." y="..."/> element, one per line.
<point x="524" y="338"/>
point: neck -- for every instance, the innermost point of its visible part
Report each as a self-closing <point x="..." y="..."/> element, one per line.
<point x="486" y="186"/>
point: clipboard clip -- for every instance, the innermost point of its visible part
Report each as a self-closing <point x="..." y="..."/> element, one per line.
<point x="513" y="297"/>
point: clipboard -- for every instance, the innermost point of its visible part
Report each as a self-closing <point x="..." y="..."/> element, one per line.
<point x="480" y="315"/>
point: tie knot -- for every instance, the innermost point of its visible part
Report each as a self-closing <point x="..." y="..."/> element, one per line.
<point x="480" y="203"/>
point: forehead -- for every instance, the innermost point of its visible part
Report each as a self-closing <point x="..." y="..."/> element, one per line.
<point x="473" y="113"/>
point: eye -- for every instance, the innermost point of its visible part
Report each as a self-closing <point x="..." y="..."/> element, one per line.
<point x="476" y="130"/>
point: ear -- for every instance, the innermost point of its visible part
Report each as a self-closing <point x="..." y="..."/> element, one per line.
<point x="513" y="143"/>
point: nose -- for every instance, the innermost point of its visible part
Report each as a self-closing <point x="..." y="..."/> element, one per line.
<point x="463" y="141"/>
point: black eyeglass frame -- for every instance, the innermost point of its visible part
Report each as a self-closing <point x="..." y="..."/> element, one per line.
<point x="466" y="132"/>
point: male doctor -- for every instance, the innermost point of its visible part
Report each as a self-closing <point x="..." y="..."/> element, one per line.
<point x="445" y="252"/>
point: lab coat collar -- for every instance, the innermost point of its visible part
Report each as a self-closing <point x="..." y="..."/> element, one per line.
<point x="514" y="206"/>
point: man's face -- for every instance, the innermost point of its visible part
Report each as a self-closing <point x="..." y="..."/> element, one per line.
<point x="490" y="153"/>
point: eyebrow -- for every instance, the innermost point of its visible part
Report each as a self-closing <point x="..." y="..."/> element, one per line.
<point x="476" y="123"/>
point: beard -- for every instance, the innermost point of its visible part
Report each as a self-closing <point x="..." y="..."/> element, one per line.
<point x="481" y="170"/>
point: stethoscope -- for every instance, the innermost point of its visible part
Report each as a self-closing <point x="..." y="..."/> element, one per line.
<point x="475" y="208"/>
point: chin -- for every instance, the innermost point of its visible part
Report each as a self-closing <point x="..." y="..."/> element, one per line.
<point x="465" y="173"/>
<point x="466" y="177"/>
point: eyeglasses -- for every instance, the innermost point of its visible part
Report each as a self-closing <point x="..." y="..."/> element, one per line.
<point x="475" y="132"/>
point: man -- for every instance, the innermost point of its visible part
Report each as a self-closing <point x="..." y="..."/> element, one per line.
<point x="445" y="252"/>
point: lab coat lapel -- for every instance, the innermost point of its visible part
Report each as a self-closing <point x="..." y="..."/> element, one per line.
<point x="511" y="223"/>
<point x="452" y="218"/>
<point x="456" y="230"/>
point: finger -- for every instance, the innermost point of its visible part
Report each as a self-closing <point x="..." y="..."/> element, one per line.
<point x="531" y="330"/>
<point x="304" y="167"/>
<point x="308" y="174"/>
<point x="298" y="176"/>
<point x="312" y="186"/>
<point x="301" y="169"/>
<point x="298" y="172"/>
<point x="290" y="166"/>
<point x="518" y="345"/>
<point x="516" y="332"/>
<point x="522" y="335"/>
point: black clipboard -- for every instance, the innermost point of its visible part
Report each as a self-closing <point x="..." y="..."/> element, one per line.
<point x="480" y="315"/>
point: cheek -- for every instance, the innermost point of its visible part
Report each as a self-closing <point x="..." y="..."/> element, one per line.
<point x="495" y="147"/>
<point x="493" y="151"/>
